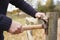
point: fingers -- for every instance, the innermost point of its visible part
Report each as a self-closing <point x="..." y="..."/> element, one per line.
<point x="41" y="16"/>
<point x="15" y="28"/>
<point x="17" y="31"/>
<point x="38" y="15"/>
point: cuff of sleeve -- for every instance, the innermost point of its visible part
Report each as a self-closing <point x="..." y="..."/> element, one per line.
<point x="5" y="23"/>
<point x="33" y="14"/>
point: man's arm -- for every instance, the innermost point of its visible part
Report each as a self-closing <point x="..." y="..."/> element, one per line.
<point x="21" y="4"/>
<point x="5" y="22"/>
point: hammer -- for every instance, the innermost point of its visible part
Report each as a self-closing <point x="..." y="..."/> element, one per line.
<point x="38" y="26"/>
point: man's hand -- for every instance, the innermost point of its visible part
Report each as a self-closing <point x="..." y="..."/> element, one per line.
<point x="41" y="15"/>
<point x="15" y="28"/>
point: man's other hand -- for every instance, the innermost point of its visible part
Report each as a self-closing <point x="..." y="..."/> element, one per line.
<point x="15" y="28"/>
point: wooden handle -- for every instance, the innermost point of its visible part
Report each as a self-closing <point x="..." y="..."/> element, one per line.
<point x="31" y="27"/>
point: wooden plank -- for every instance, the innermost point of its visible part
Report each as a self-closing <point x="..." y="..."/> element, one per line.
<point x="52" y="29"/>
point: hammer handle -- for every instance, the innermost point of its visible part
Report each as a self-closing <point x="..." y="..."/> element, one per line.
<point x="31" y="27"/>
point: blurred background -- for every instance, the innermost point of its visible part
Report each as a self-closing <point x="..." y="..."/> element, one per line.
<point x="40" y="5"/>
<point x="19" y="16"/>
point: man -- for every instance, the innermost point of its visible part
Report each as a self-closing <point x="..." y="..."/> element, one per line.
<point x="7" y="24"/>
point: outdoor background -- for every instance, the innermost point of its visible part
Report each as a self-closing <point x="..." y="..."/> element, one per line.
<point x="19" y="16"/>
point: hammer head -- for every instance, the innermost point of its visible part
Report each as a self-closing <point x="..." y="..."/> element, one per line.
<point x="45" y="25"/>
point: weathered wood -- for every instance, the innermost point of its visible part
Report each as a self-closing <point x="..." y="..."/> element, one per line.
<point x="52" y="29"/>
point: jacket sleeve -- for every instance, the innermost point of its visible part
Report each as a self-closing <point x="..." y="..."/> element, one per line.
<point x="5" y="22"/>
<point x="21" y="4"/>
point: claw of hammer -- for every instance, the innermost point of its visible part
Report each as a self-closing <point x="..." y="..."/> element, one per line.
<point x="45" y="26"/>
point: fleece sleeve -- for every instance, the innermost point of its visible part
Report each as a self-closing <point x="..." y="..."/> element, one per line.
<point x="5" y="22"/>
<point x="21" y="4"/>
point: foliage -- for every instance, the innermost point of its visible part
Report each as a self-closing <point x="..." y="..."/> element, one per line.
<point x="41" y="8"/>
<point x="57" y="8"/>
<point x="49" y="7"/>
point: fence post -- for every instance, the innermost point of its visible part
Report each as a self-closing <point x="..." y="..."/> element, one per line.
<point x="52" y="29"/>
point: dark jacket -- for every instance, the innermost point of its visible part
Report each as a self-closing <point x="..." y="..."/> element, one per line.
<point x="5" y="22"/>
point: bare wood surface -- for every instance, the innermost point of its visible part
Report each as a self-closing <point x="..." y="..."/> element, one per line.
<point x="52" y="29"/>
